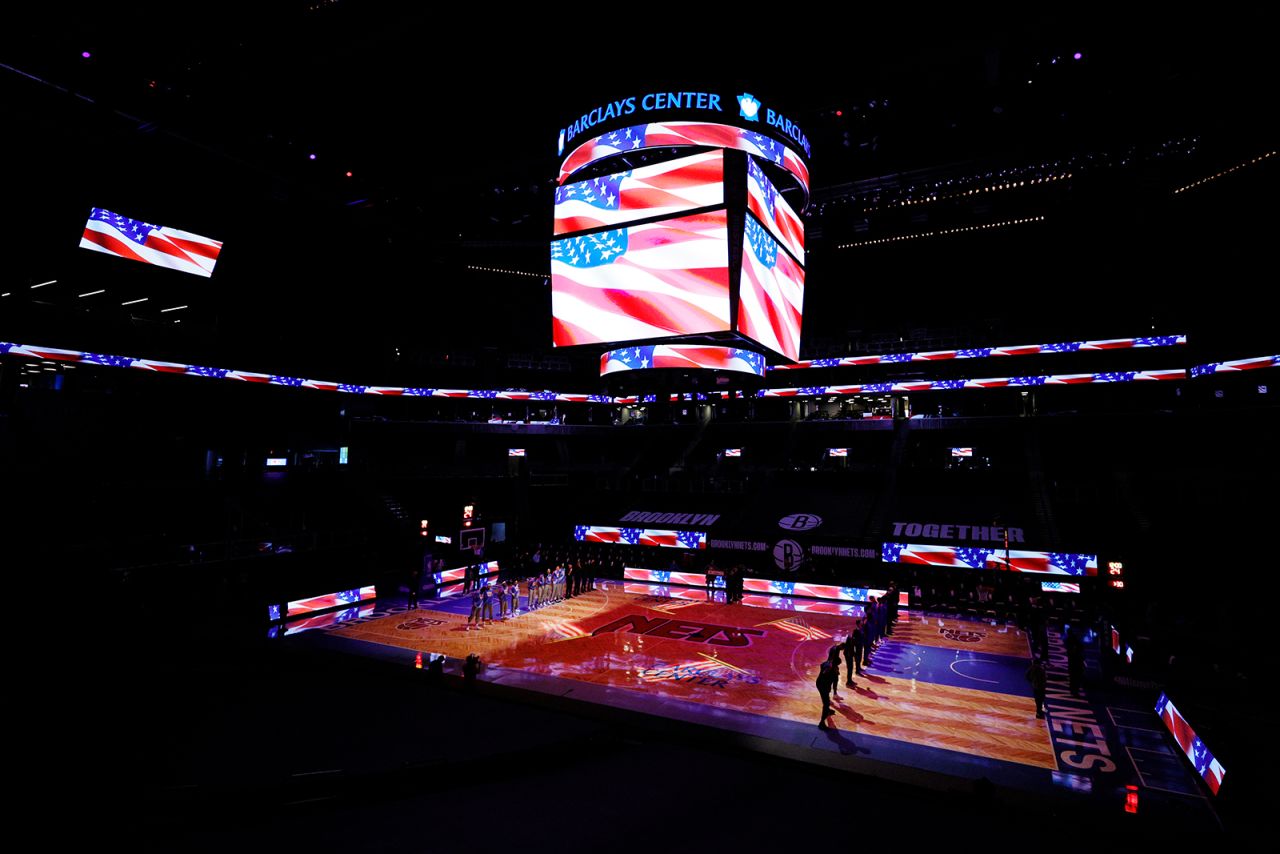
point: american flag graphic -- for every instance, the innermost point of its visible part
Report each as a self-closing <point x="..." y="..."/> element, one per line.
<point x="772" y="293"/>
<point x="331" y="600"/>
<point x="674" y="134"/>
<point x="989" y="382"/>
<point x="682" y="356"/>
<point x="644" y="281"/>
<point x="962" y="452"/>
<point x="640" y="537"/>
<point x="970" y="557"/>
<point x="688" y="670"/>
<point x="564" y="630"/>
<point x="665" y="592"/>
<point x="837" y="452"/>
<point x="660" y="576"/>
<point x="678" y="604"/>
<point x="800" y="629"/>
<point x="650" y="191"/>
<point x="814" y="591"/>
<point x="515" y="452"/>
<point x="1236" y="365"/>
<point x="118" y="235"/>
<point x="1189" y="743"/>
<point x="985" y="352"/>
<point x="331" y="619"/>
<point x="768" y="205"/>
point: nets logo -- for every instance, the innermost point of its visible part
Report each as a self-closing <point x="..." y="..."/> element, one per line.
<point x="800" y="522"/>
<point x="788" y="555"/>
<point x="684" y="630"/>
<point x="419" y="623"/>
<point x="961" y="635"/>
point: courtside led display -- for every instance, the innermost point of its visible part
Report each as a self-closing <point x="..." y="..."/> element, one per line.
<point x="970" y="557"/>
<point x="650" y="191"/>
<point x="768" y="205"/>
<point x="772" y="293"/>
<point x="1205" y="764"/>
<point x="763" y="586"/>
<point x="332" y="600"/>
<point x="640" y="537"/>
<point x="643" y="281"/>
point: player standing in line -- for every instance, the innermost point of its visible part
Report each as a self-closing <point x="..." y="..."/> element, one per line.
<point x="486" y="607"/>
<point x="475" y="610"/>
<point x="827" y="678"/>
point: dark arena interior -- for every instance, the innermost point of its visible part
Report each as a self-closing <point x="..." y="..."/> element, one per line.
<point x="577" y="404"/>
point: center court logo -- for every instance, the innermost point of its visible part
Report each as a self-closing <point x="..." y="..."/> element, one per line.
<point x="685" y="630"/>
<point x="961" y="635"/>
<point x="749" y="107"/>
<point x="419" y="623"/>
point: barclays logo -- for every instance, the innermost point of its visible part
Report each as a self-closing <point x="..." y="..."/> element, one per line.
<point x="749" y="107"/>
<point x="560" y="144"/>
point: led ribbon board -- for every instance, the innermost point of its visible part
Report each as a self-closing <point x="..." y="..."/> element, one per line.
<point x="1236" y="365"/>
<point x="1205" y="764"/>
<point x="678" y="134"/>
<point x="105" y="360"/>
<point x="681" y="356"/>
<point x="988" y="352"/>
<point x="988" y="382"/>
<point x="965" y="557"/>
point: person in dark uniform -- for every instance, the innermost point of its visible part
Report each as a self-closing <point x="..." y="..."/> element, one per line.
<point x="891" y="612"/>
<point x="827" y="676"/>
<point x="864" y="628"/>
<point x="833" y="657"/>
<point x="1039" y="679"/>
<point x="852" y="650"/>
